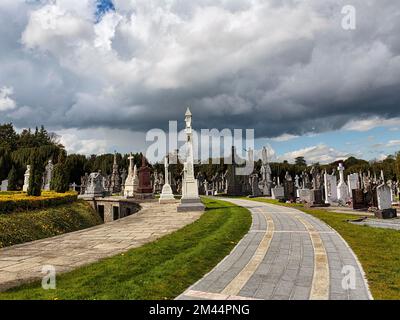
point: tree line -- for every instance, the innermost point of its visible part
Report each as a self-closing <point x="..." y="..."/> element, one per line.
<point x="36" y="147"/>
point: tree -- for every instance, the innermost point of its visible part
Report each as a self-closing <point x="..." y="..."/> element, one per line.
<point x="13" y="179"/>
<point x="60" y="180"/>
<point x="36" y="177"/>
<point x="397" y="166"/>
<point x="8" y="137"/>
<point x="300" y="161"/>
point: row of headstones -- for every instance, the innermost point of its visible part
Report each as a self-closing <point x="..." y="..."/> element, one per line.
<point x="375" y="193"/>
<point x="46" y="181"/>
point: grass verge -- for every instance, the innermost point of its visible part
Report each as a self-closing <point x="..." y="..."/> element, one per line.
<point x="377" y="249"/>
<point x="20" y="227"/>
<point x="159" y="270"/>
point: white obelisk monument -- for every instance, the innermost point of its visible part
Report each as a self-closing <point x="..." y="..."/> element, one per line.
<point x="190" y="193"/>
<point x="166" y="195"/>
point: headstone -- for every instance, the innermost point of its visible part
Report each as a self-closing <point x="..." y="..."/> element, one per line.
<point x="359" y="200"/>
<point x="115" y="183"/>
<point x="166" y="195"/>
<point x="385" y="210"/>
<point x="131" y="180"/>
<point x="48" y="175"/>
<point x="4" y="185"/>
<point x="84" y="183"/>
<point x="190" y="200"/>
<point x="353" y="181"/>
<point x="330" y="186"/>
<point x="95" y="187"/>
<point x="278" y="193"/>
<point x="144" y="190"/>
<point x="266" y="182"/>
<point x="26" y="178"/>
<point x="305" y="195"/>
<point x="342" y="189"/>
<point x="289" y="189"/>
<point x="255" y="191"/>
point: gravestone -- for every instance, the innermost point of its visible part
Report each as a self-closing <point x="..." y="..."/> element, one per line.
<point x="330" y="186"/>
<point x="359" y="199"/>
<point x="115" y="183"/>
<point x="342" y="188"/>
<point x="26" y="178"/>
<point x="305" y="195"/>
<point x="353" y="181"/>
<point x="95" y="186"/>
<point x="190" y="200"/>
<point x="131" y="180"/>
<point x="255" y="190"/>
<point x="4" y="185"/>
<point x="289" y="189"/>
<point x="265" y="184"/>
<point x="166" y="194"/>
<point x="145" y="189"/>
<point x="278" y="192"/>
<point x="385" y="210"/>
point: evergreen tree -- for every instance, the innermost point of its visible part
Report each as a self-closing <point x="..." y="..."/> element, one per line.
<point x="13" y="179"/>
<point x="36" y="177"/>
<point x="60" y="180"/>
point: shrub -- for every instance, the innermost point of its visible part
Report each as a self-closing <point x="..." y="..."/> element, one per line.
<point x="18" y="201"/>
<point x="12" y="179"/>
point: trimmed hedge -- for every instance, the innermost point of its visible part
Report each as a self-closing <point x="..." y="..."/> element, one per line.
<point x="20" y="201"/>
<point x="21" y="227"/>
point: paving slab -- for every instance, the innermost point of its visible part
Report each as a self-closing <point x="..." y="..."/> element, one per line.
<point x="23" y="263"/>
<point x="293" y="257"/>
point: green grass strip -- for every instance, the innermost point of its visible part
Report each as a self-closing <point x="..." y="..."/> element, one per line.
<point x="159" y="270"/>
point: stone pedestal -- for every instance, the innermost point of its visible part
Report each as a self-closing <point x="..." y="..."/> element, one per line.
<point x="166" y="195"/>
<point x="386" y="214"/>
<point x="190" y="200"/>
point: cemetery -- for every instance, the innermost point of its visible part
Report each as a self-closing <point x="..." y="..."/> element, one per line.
<point x="139" y="204"/>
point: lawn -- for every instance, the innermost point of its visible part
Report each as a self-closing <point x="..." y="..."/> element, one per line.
<point x="159" y="270"/>
<point x="377" y="249"/>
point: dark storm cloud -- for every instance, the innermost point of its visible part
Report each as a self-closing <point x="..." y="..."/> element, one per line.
<point x="275" y="66"/>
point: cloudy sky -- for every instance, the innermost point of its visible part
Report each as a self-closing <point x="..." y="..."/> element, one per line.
<point x="103" y="73"/>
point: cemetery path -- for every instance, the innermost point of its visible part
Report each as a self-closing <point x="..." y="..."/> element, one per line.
<point x="23" y="263"/>
<point x="286" y="255"/>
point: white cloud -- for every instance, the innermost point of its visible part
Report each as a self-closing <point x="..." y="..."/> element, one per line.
<point x="7" y="103"/>
<point x="320" y="153"/>
<point x="285" y="137"/>
<point x="371" y="123"/>
<point x="393" y="143"/>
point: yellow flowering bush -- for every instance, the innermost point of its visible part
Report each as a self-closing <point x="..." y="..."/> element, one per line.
<point x="20" y="201"/>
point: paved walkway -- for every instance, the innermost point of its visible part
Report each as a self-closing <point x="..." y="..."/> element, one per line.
<point x="24" y="263"/>
<point x="287" y="254"/>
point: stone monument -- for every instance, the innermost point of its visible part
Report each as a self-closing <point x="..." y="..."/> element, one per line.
<point x="95" y="186"/>
<point x="266" y="181"/>
<point x="144" y="189"/>
<point x="166" y="194"/>
<point x="115" y="183"/>
<point x="48" y="175"/>
<point x="385" y="210"/>
<point x="190" y="194"/>
<point x="26" y="178"/>
<point x="4" y="185"/>
<point x="342" y="189"/>
<point x="130" y="183"/>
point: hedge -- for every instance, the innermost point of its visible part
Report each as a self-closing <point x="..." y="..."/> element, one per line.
<point x="20" y="201"/>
